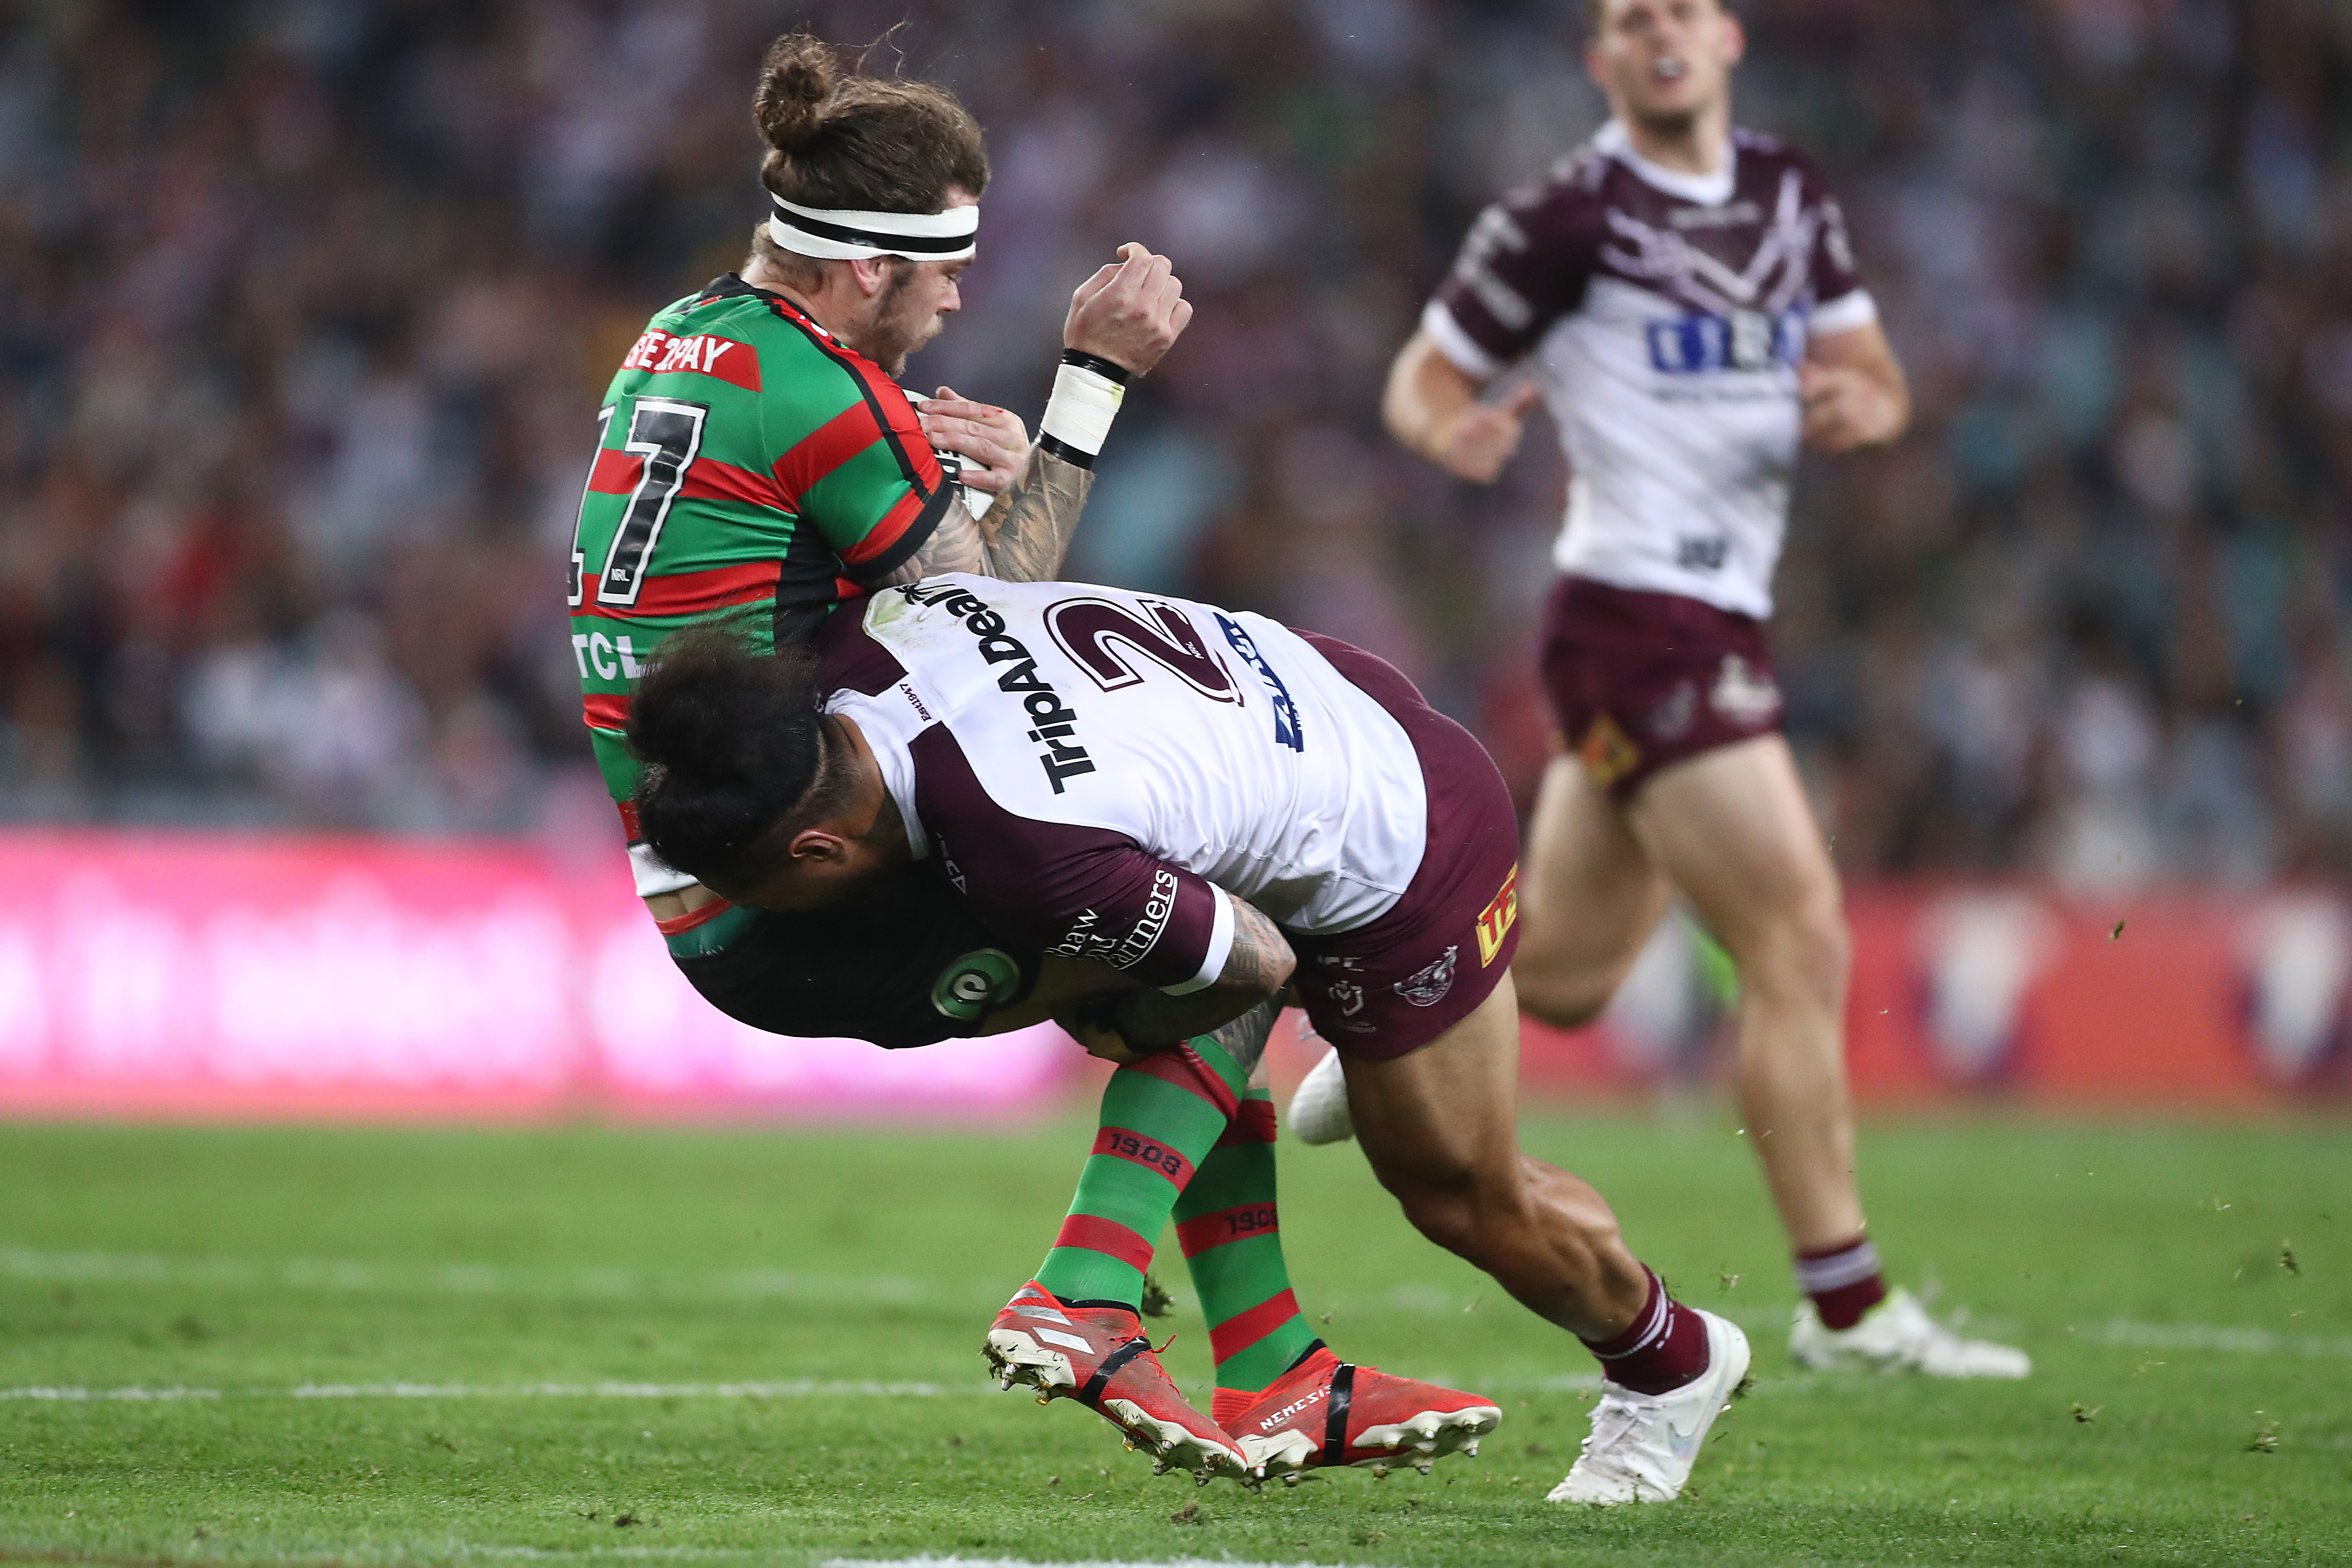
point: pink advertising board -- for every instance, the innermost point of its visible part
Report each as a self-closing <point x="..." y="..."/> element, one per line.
<point x="246" y="976"/>
<point x="266" y="977"/>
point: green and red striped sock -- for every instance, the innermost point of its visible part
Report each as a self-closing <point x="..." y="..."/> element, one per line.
<point x="1161" y="1117"/>
<point x="1231" y="1237"/>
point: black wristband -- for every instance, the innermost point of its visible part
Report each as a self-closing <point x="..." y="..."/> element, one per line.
<point x="1099" y="365"/>
<point x="1053" y="446"/>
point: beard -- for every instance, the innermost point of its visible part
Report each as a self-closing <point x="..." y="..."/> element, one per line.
<point x="901" y="326"/>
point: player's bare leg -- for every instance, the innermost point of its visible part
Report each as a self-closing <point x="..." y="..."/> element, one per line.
<point x="1590" y="895"/>
<point x="1439" y="1126"/>
<point x="1441" y="1129"/>
<point x="1731" y="827"/>
<point x="1733" y="830"/>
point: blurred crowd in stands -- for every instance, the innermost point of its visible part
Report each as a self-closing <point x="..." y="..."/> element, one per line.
<point x="306" y="307"/>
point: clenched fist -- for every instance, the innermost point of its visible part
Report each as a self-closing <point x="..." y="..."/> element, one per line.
<point x="1483" y="437"/>
<point x="1130" y="313"/>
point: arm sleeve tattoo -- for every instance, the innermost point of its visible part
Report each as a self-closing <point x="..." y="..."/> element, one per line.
<point x="1025" y="534"/>
<point x="1258" y="972"/>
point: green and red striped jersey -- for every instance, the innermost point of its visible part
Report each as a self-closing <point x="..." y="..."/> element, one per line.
<point x="749" y="464"/>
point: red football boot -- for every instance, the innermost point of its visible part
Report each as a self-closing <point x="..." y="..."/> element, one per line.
<point x="1099" y="1356"/>
<point x="1325" y="1411"/>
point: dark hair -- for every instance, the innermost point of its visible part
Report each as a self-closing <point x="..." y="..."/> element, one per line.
<point x="735" y="754"/>
<point x="1597" y="12"/>
<point x="839" y="138"/>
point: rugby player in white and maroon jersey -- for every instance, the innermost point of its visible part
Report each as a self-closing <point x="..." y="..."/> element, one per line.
<point x="1685" y="303"/>
<point x="1197" y="808"/>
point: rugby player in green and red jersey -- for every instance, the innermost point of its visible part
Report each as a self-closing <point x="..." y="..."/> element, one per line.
<point x="758" y="460"/>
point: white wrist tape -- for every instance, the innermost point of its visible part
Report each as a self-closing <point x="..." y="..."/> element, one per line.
<point x="1079" y="414"/>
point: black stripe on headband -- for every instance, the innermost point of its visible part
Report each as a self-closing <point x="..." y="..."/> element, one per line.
<point x="905" y="244"/>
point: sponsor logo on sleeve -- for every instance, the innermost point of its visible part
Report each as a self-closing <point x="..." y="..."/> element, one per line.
<point x="1086" y="937"/>
<point x="1062" y="757"/>
<point x="1495" y="919"/>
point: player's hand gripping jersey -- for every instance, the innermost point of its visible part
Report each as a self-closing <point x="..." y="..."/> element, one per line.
<point x="1089" y="767"/>
<point x="1666" y="314"/>
<point x="751" y="463"/>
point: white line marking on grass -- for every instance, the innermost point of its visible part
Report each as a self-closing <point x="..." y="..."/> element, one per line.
<point x="2202" y="1337"/>
<point x="929" y="1562"/>
<point x="75" y="1396"/>
<point x="458" y="1278"/>
<point x="562" y="1553"/>
<point x="795" y="1389"/>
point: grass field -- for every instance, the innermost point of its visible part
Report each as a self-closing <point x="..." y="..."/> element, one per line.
<point x="427" y="1347"/>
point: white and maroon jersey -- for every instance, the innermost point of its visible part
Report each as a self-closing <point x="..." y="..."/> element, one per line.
<point x="1083" y="763"/>
<point x="1666" y="314"/>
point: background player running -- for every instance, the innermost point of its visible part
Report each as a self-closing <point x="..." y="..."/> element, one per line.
<point x="758" y="457"/>
<point x="1202" y="807"/>
<point x="1686" y="299"/>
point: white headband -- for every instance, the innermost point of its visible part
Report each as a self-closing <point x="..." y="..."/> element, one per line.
<point x="840" y="234"/>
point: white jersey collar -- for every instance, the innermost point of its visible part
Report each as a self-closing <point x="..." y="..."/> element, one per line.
<point x="1707" y="190"/>
<point x="890" y="723"/>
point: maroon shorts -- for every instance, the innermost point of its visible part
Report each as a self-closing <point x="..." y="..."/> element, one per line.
<point x="1394" y="986"/>
<point x="1639" y="682"/>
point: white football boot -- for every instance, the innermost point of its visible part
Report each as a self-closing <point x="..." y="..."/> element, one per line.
<point x="1319" y="1111"/>
<point x="1897" y="1335"/>
<point x="1643" y="1446"/>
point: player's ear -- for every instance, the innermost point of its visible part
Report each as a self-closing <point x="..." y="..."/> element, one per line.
<point x="1734" y="37"/>
<point x="814" y="847"/>
<point x="872" y="272"/>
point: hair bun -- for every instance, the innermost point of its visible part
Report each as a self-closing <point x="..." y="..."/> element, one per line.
<point x="795" y="79"/>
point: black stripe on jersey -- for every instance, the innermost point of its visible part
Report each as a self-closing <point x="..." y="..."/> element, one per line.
<point x="935" y="503"/>
<point x="805" y="588"/>
<point x="919" y="529"/>
<point x="849" y="367"/>
<point x="726" y="285"/>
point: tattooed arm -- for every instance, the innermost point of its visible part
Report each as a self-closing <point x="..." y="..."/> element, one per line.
<point x="1129" y="312"/>
<point x="1244" y="1038"/>
<point x="1025" y="534"/>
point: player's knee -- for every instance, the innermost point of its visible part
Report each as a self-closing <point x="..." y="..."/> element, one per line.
<point x="1448" y="1219"/>
<point x="1805" y="952"/>
<point x="1561" y="991"/>
<point x="1492" y="1221"/>
<point x="1445" y="1200"/>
